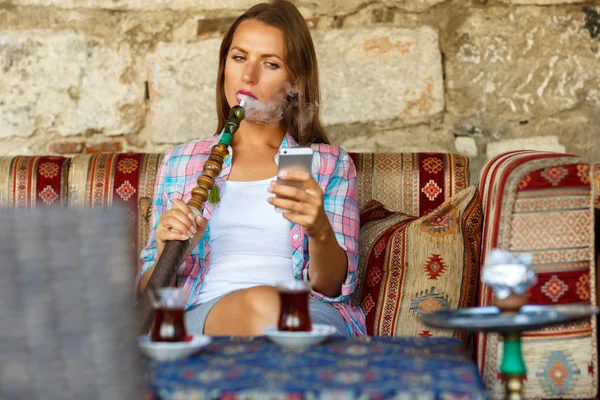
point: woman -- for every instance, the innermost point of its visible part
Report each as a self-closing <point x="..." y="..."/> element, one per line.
<point x="235" y="257"/>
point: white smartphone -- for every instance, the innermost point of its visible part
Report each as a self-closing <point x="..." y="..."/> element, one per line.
<point x="293" y="159"/>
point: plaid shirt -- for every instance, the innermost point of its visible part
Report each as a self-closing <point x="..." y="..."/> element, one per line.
<point x="335" y="173"/>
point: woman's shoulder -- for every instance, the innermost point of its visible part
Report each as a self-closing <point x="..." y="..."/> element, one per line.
<point x="331" y="160"/>
<point x="330" y="152"/>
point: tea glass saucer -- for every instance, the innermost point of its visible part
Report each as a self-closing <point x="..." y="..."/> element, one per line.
<point x="168" y="351"/>
<point x="318" y="334"/>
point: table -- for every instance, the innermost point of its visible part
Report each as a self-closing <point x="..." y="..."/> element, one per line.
<point x="341" y="368"/>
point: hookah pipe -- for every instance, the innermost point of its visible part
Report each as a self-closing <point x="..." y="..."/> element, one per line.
<point x="174" y="251"/>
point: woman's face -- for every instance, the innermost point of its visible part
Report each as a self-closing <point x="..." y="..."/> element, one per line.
<point x="255" y="65"/>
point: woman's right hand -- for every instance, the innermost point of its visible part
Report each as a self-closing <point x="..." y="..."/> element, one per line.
<point x="176" y="224"/>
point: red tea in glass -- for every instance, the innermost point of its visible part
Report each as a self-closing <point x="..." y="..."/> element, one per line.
<point x="294" y="314"/>
<point x="169" y="325"/>
<point x="169" y="321"/>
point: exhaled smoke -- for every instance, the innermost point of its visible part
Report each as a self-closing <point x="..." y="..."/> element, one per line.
<point x="281" y="104"/>
<point x="269" y="113"/>
<point x="302" y="111"/>
<point x="305" y="115"/>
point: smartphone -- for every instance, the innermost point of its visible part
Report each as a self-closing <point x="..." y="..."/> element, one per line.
<point x="294" y="159"/>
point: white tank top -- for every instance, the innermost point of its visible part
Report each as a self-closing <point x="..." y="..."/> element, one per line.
<point x="250" y="242"/>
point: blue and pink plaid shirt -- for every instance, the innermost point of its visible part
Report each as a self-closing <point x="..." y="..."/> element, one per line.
<point x="335" y="173"/>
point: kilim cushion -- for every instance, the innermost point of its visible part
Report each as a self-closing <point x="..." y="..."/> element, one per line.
<point x="541" y="203"/>
<point x="597" y="185"/>
<point x="33" y="181"/>
<point x="413" y="183"/>
<point x="105" y="179"/>
<point x="596" y="178"/>
<point x="410" y="265"/>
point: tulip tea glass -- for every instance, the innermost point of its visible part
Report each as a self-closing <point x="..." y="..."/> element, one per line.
<point x="169" y="323"/>
<point x="294" y="316"/>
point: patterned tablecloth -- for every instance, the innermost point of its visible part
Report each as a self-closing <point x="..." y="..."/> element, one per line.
<point x="355" y="368"/>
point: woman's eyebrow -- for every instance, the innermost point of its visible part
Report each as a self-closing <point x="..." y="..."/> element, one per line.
<point x="262" y="55"/>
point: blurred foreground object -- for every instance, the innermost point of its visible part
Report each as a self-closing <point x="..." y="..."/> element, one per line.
<point x="67" y="327"/>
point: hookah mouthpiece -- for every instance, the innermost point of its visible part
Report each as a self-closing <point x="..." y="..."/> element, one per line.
<point x="236" y="115"/>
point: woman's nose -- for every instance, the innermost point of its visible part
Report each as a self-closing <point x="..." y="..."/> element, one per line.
<point x="249" y="75"/>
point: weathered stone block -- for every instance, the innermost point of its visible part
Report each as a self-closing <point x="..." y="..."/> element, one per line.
<point x="542" y="2"/>
<point x="466" y="145"/>
<point x="380" y="73"/>
<point x="142" y="4"/>
<point x="407" y="139"/>
<point x="542" y="143"/>
<point x="181" y="82"/>
<point x="521" y="63"/>
<point x="333" y="7"/>
<point x="18" y="148"/>
<point x="67" y="83"/>
<point x="328" y="8"/>
<point x="135" y="141"/>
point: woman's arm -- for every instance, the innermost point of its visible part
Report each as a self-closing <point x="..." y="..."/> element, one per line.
<point x="171" y="219"/>
<point x="330" y="220"/>
<point x="149" y="254"/>
<point x="328" y="265"/>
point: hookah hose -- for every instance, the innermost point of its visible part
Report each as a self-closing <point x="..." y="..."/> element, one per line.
<point x="172" y="256"/>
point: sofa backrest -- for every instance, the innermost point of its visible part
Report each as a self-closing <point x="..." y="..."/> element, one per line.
<point x="33" y="181"/>
<point x="414" y="183"/>
<point x="540" y="203"/>
<point x="90" y="181"/>
<point x="104" y="179"/>
<point x="596" y="175"/>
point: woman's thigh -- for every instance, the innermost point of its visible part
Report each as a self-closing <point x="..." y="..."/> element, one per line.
<point x="244" y="312"/>
<point x="248" y="311"/>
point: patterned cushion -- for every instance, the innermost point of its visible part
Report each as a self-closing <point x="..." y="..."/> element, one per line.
<point x="410" y="265"/>
<point x="117" y="179"/>
<point x="541" y="203"/>
<point x="33" y="181"/>
<point x="413" y="183"/>
<point x="596" y="175"/>
<point x="596" y="178"/>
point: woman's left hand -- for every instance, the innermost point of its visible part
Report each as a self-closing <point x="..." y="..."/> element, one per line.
<point x="305" y="205"/>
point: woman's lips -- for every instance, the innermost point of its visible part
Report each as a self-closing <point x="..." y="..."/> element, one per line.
<point x="246" y="93"/>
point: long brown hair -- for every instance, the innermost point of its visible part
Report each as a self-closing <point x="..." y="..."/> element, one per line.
<point x="301" y="115"/>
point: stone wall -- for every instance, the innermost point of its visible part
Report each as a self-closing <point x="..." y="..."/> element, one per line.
<point x="474" y="77"/>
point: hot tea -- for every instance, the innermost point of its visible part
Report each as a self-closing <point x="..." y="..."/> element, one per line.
<point x="169" y="325"/>
<point x="294" y="315"/>
<point x="169" y="321"/>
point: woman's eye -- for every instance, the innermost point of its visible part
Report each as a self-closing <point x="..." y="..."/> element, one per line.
<point x="272" y="65"/>
<point x="239" y="58"/>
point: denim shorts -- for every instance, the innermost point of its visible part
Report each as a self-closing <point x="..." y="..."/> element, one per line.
<point x="320" y="313"/>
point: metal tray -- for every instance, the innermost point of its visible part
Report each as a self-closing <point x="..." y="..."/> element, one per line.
<point x="490" y="319"/>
